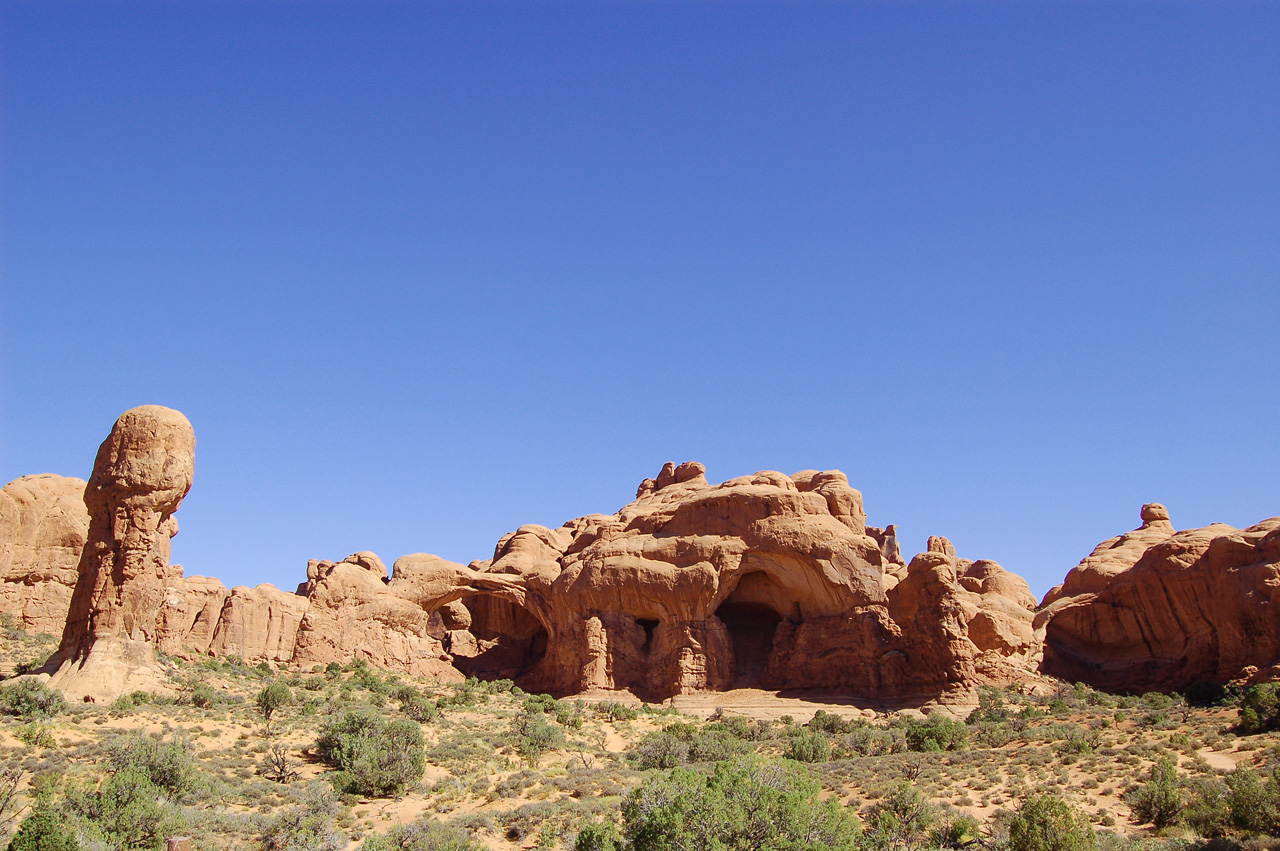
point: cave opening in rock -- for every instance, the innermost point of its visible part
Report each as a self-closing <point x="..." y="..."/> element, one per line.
<point x="648" y="625"/>
<point x="751" y="613"/>
<point x="505" y="640"/>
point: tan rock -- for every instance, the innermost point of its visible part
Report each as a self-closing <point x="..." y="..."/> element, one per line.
<point x="143" y="470"/>
<point x="43" y="526"/>
<point x="1155" y="609"/>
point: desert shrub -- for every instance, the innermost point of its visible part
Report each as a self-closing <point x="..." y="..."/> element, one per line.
<point x="425" y="834"/>
<point x="747" y="729"/>
<point x="825" y="722"/>
<point x="1259" y="709"/>
<point x="808" y="746"/>
<point x="1206" y="806"/>
<point x="415" y="704"/>
<point x="31" y="699"/>
<point x="611" y="710"/>
<point x="1159" y="800"/>
<point x="991" y="707"/>
<point x="681" y="743"/>
<point x="936" y="734"/>
<point x="1254" y="804"/>
<point x="535" y="735"/>
<point x="273" y="697"/>
<point x="958" y="831"/>
<point x="746" y="804"/>
<point x="171" y="766"/>
<point x="203" y="696"/>
<point x="373" y="757"/>
<point x="598" y="836"/>
<point x="900" y="820"/>
<point x="1048" y="823"/>
<point x="307" y="825"/>
<point x="873" y="741"/>
<point x="36" y="735"/>
<point x="44" y="829"/>
<point x="125" y="811"/>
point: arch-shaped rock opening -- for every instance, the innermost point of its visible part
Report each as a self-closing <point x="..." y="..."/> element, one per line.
<point x="504" y="641"/>
<point x="752" y="614"/>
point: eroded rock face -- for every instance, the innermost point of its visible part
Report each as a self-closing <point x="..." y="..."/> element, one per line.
<point x="43" y="526"/>
<point x="768" y="581"/>
<point x="1159" y="609"/>
<point x="142" y="472"/>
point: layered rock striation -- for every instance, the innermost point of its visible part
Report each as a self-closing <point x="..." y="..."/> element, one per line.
<point x="1161" y="609"/>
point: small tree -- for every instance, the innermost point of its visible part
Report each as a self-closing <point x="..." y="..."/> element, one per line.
<point x="1159" y="800"/>
<point x="1260" y="709"/>
<point x="1048" y="823"/>
<point x="275" y="696"/>
<point x="373" y="757"/>
<point x="44" y="829"/>
<point x="31" y="699"/>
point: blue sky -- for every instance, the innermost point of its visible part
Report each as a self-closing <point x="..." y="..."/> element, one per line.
<point x="420" y="273"/>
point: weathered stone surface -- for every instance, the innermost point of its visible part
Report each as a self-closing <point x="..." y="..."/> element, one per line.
<point x="142" y="472"/>
<point x="1158" y="609"/>
<point x="43" y="525"/>
<point x="768" y="581"/>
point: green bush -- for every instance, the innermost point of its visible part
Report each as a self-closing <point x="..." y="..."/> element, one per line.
<point x="415" y="704"/>
<point x="611" y="710"/>
<point x="125" y="811"/>
<point x="203" y="696"/>
<point x="273" y="697"/>
<point x="1254" y="804"/>
<point x="991" y="707"/>
<point x="937" y="734"/>
<point x="1158" y="801"/>
<point x="425" y="834"/>
<point x="36" y="735"/>
<point x="1260" y="709"/>
<point x="747" y="804"/>
<point x="681" y="743"/>
<point x="599" y="836"/>
<point x="31" y="699"/>
<point x="1048" y="823"/>
<point x="808" y="746"/>
<point x="307" y="825"/>
<point x="44" y="829"/>
<point x="171" y="766"/>
<point x="535" y="735"/>
<point x="900" y="820"/>
<point x="373" y="757"/>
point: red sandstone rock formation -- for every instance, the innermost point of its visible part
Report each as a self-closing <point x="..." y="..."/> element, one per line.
<point x="1158" y="609"/>
<point x="767" y="581"/>
<point x="142" y="472"/>
<point x="43" y="525"/>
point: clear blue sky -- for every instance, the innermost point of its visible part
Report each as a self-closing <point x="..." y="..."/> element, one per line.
<point x="420" y="273"/>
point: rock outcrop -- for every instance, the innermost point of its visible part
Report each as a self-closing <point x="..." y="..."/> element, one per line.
<point x="1159" y="609"/>
<point x="43" y="526"/>
<point x="768" y="581"/>
<point x="142" y="472"/>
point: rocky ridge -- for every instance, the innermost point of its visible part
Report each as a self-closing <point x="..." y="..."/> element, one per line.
<point x="764" y="581"/>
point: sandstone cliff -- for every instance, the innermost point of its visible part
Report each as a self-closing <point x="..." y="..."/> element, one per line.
<point x="1159" y="609"/>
